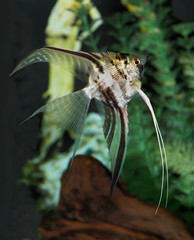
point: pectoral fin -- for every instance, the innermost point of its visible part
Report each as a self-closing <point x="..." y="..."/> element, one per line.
<point x="68" y="112"/>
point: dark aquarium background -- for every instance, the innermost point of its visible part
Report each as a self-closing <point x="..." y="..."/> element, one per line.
<point x="163" y="30"/>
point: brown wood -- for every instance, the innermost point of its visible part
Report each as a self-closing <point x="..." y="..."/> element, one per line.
<point x="84" y="212"/>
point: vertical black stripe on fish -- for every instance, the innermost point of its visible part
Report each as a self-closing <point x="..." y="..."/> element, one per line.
<point x="120" y="154"/>
<point x="122" y="144"/>
<point x="119" y="71"/>
<point x="109" y="129"/>
<point x="110" y="95"/>
<point x="81" y="54"/>
<point x="121" y="56"/>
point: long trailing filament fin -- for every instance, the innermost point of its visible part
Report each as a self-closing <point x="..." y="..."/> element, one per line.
<point x="162" y="150"/>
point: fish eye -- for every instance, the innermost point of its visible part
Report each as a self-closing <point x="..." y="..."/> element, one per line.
<point x="136" y="62"/>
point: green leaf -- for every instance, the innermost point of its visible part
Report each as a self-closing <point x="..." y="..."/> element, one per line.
<point x="185" y="29"/>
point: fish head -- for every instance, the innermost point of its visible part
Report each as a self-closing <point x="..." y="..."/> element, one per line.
<point x="135" y="70"/>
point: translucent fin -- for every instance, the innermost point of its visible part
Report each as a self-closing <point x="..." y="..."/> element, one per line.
<point x="115" y="127"/>
<point x="68" y="112"/>
<point x="162" y="150"/>
<point x="108" y="121"/>
<point x="119" y="145"/>
<point x="79" y="60"/>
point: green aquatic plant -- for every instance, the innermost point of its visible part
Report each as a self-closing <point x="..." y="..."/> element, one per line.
<point x="181" y="169"/>
<point x="169" y="77"/>
<point x="181" y="166"/>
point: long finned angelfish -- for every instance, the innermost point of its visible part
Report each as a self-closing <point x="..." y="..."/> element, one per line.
<point x="113" y="80"/>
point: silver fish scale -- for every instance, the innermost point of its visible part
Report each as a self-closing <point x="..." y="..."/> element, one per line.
<point x="100" y="85"/>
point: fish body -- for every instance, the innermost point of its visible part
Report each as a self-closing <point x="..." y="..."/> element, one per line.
<point x="113" y="80"/>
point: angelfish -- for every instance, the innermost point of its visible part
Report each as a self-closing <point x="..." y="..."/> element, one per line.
<point x="113" y="80"/>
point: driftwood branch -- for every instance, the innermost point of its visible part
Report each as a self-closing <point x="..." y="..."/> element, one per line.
<point x="84" y="212"/>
